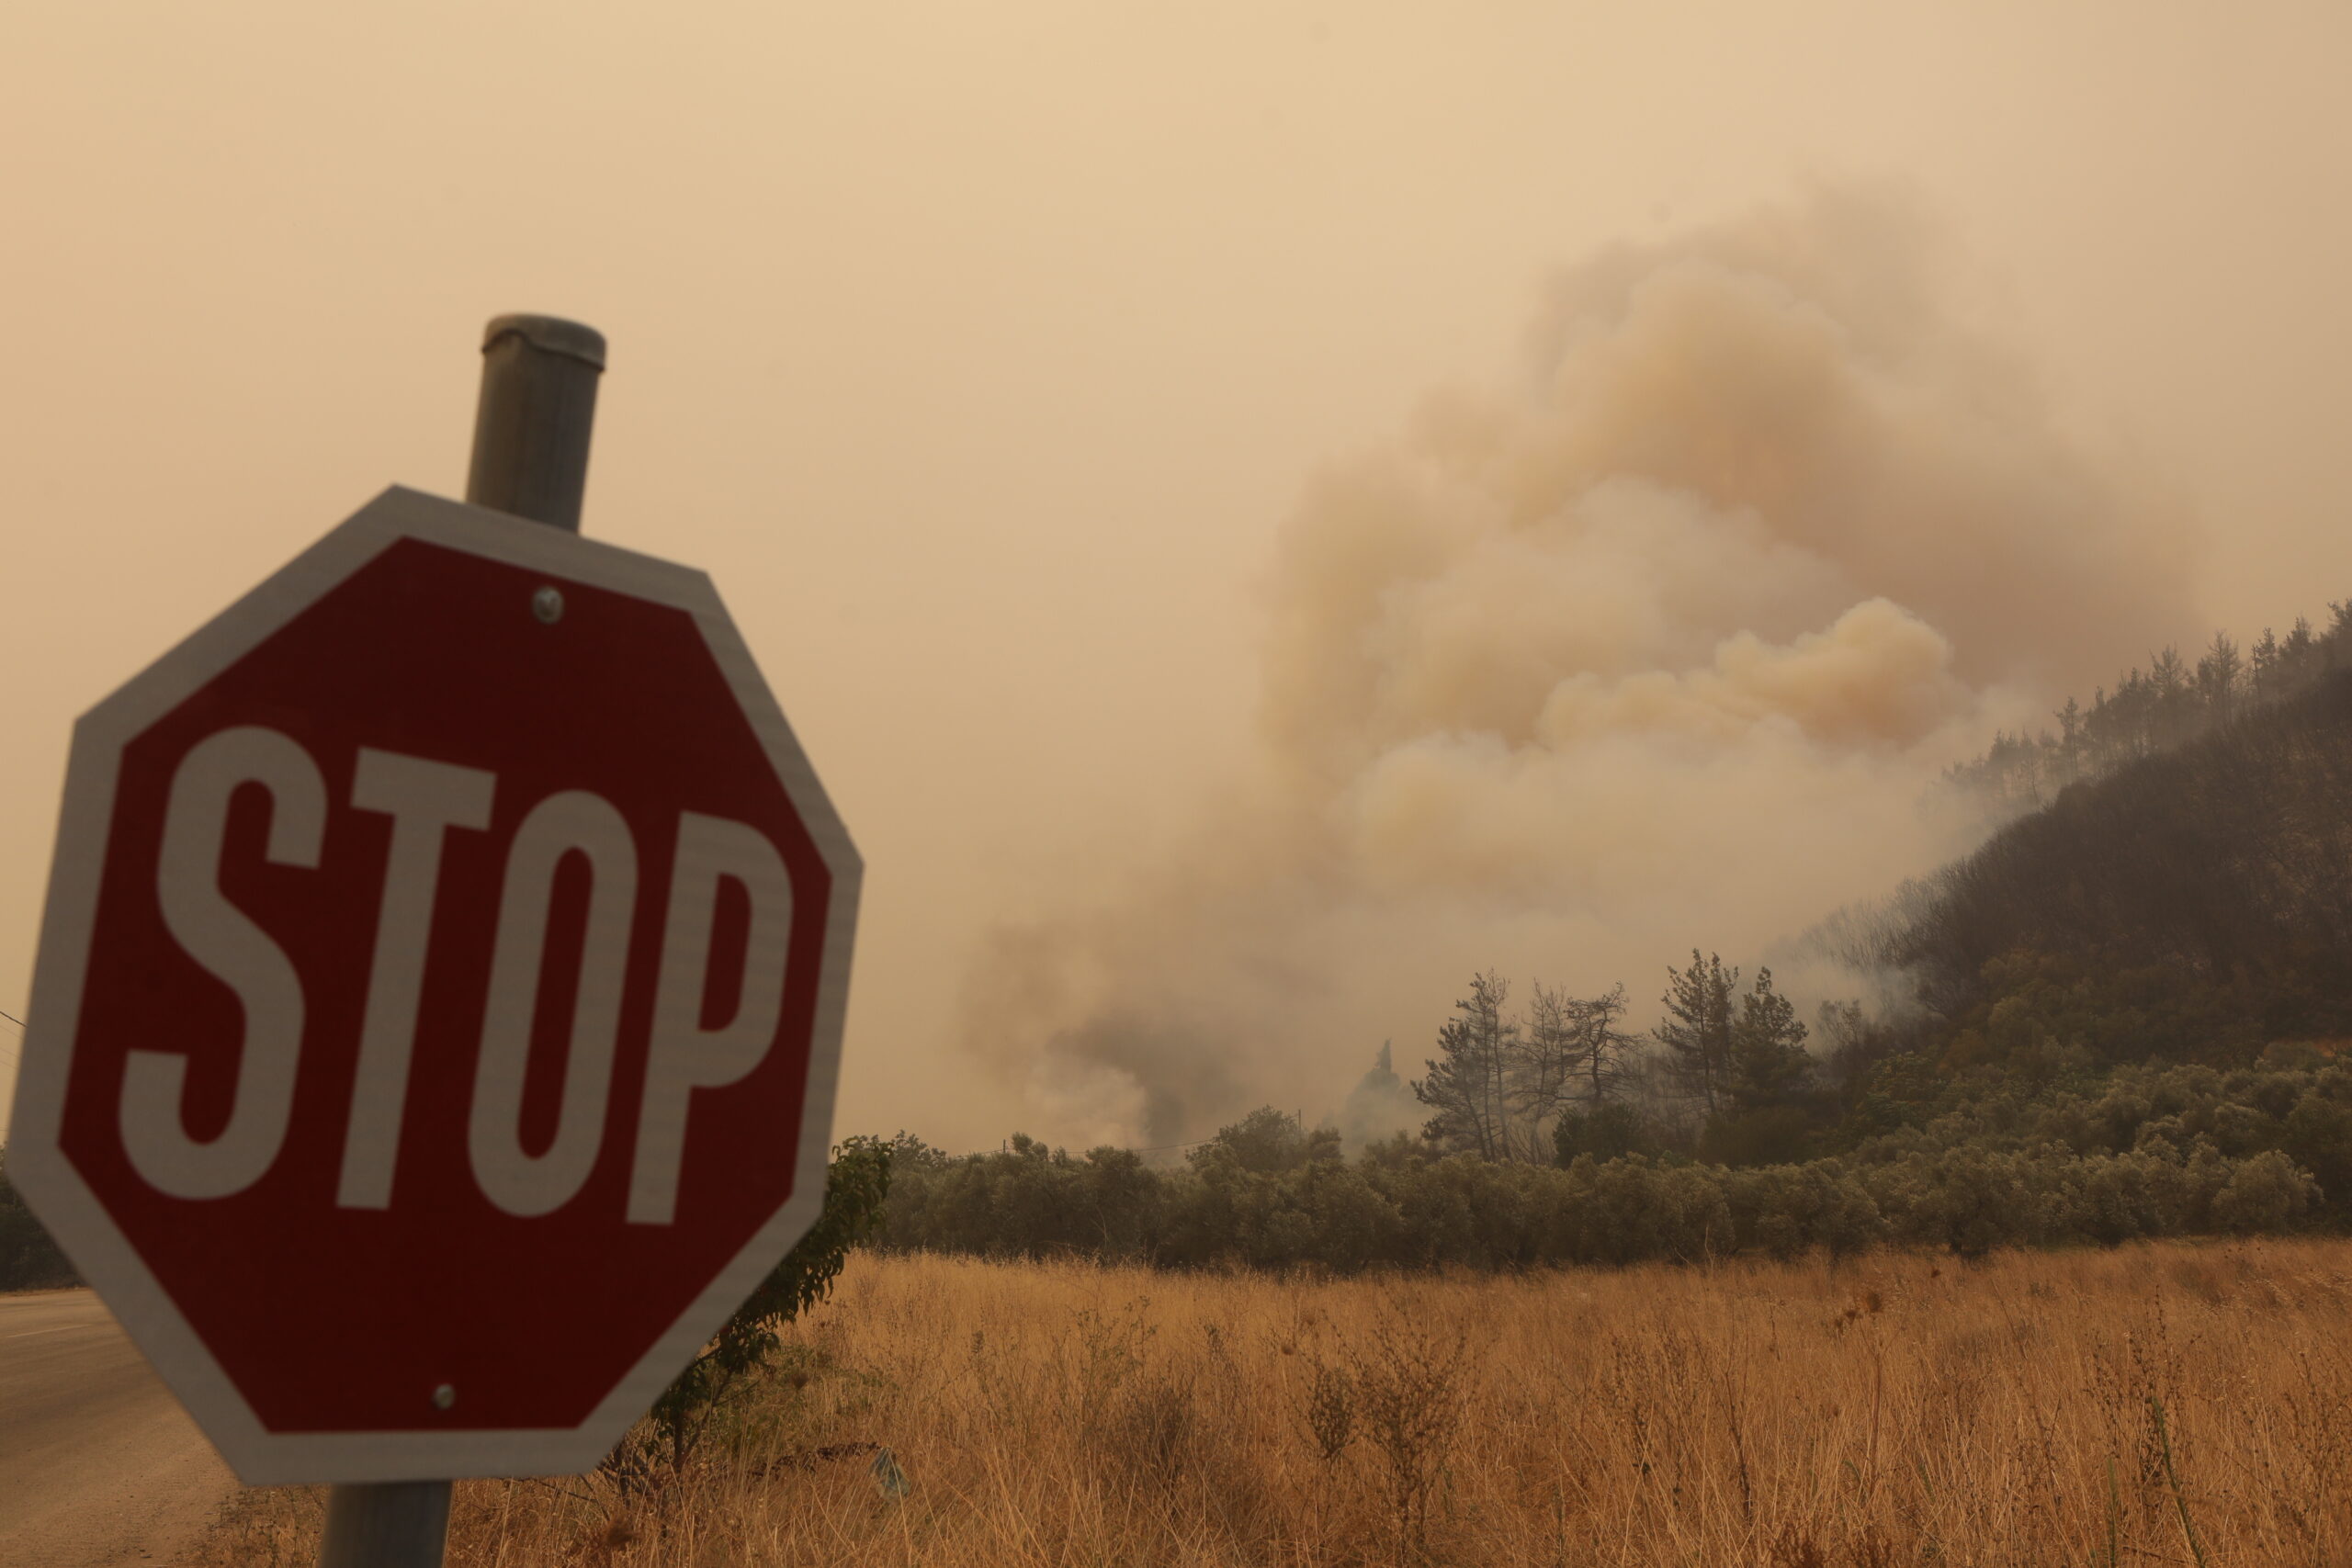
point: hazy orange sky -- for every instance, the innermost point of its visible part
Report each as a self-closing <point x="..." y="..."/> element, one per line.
<point x="980" y="353"/>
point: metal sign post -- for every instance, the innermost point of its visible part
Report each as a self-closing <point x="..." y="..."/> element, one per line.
<point x="530" y="459"/>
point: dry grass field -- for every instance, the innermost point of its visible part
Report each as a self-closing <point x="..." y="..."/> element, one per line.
<point x="2157" y="1404"/>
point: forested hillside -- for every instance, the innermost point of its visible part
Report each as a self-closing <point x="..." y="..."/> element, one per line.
<point x="2119" y="1016"/>
<point x="2225" y="863"/>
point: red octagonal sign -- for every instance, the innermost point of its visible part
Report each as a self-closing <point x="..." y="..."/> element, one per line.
<point x="439" y="999"/>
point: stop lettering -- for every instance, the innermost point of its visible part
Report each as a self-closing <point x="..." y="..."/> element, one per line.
<point x="439" y="998"/>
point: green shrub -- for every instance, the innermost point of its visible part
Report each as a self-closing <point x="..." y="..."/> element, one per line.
<point x="857" y="1184"/>
<point x="2142" y="1155"/>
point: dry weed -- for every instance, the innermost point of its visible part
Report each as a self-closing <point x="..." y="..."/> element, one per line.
<point x="2154" y="1404"/>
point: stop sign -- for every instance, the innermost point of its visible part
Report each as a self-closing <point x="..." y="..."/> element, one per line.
<point x="439" y="999"/>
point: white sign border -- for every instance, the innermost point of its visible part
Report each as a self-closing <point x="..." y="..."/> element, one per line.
<point x="71" y="1212"/>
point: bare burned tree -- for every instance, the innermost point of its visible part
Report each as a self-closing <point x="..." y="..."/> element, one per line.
<point x="1499" y="1084"/>
<point x="1544" y="1071"/>
<point x="1604" y="1051"/>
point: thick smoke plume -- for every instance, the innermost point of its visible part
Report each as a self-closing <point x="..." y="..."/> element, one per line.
<point x="1660" y="644"/>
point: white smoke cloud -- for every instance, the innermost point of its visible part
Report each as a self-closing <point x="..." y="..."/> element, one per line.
<point x="1661" y="644"/>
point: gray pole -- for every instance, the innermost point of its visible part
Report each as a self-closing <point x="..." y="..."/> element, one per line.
<point x="386" y="1524"/>
<point x="531" y="428"/>
<point x="539" y="401"/>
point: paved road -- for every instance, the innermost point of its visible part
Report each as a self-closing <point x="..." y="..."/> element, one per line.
<point x="98" y="1464"/>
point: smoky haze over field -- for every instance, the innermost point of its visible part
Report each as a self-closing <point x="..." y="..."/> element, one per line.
<point x="1657" y="642"/>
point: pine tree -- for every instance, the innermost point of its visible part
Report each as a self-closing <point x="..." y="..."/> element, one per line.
<point x="2219" y="676"/>
<point x="2298" y="652"/>
<point x="1769" y="1062"/>
<point x="2169" y="686"/>
<point x="2265" y="660"/>
<point x="1697" y="1029"/>
<point x="1380" y="1106"/>
<point x="1467" y="1087"/>
<point x="1604" y="1051"/>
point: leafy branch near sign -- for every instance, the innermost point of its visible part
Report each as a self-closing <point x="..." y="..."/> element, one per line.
<point x="856" y="1183"/>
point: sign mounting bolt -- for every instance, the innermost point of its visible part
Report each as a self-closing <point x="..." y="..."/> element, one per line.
<point x="447" y="1394"/>
<point x="548" y="604"/>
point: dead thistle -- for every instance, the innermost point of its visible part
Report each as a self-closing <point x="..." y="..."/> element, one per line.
<point x="1408" y="1383"/>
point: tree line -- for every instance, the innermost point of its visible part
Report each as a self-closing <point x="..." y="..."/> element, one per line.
<point x="2169" y="705"/>
<point x="1724" y="1075"/>
<point x="2151" y="1152"/>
